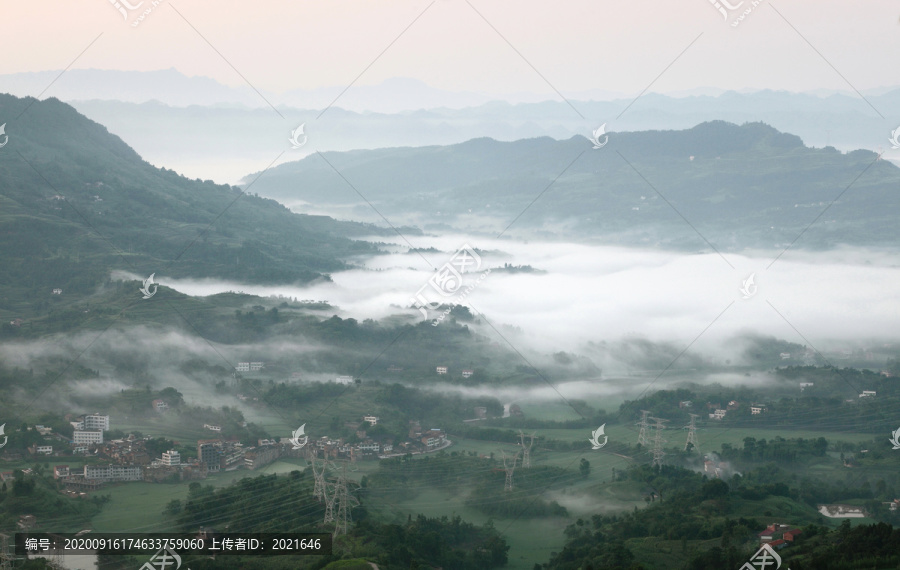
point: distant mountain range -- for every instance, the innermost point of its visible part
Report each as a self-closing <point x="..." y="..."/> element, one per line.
<point x="202" y="128"/>
<point x="76" y="202"/>
<point x="171" y="87"/>
<point x="738" y="186"/>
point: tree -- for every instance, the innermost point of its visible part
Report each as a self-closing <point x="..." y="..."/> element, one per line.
<point x="173" y="507"/>
<point x="584" y="467"/>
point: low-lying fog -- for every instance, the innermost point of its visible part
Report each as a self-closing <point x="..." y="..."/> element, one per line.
<point x="584" y="294"/>
<point x="840" y="298"/>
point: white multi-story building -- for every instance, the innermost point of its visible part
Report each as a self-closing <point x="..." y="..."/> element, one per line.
<point x="95" y="422"/>
<point x="242" y="367"/>
<point x="44" y="449"/>
<point x="441" y="369"/>
<point x="868" y="394"/>
<point x="372" y="420"/>
<point x="254" y="366"/>
<point x="369" y="447"/>
<point x="718" y="414"/>
<point x="171" y="458"/>
<point x="88" y="437"/>
<point x="113" y="472"/>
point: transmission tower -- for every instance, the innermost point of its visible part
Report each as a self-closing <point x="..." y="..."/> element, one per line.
<point x="329" y="501"/>
<point x="509" y="471"/>
<point x="642" y="435"/>
<point x="526" y="449"/>
<point x="319" y="476"/>
<point x="344" y="503"/>
<point x="658" y="452"/>
<point x="692" y="433"/>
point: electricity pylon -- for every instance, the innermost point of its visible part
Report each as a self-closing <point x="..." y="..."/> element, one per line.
<point x="658" y="452"/>
<point x="642" y="435"/>
<point x="509" y="471"/>
<point x="344" y="503"/>
<point x="526" y="449"/>
<point x="692" y="433"/>
<point x="329" y="501"/>
<point x="319" y="476"/>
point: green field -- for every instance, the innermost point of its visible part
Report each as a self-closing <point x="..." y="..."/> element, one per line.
<point x="138" y="506"/>
<point x="530" y="540"/>
<point x="710" y="438"/>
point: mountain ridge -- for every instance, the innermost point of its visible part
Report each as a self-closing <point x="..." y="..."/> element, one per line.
<point x="78" y="202"/>
<point x="748" y="186"/>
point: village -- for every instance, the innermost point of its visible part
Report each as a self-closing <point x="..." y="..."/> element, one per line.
<point x="132" y="459"/>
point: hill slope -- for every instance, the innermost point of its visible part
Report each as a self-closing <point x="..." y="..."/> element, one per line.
<point x="77" y="202"/>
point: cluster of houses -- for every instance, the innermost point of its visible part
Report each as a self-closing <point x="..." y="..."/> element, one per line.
<point x="842" y="511"/>
<point x="779" y="535"/>
<point x="420" y="441"/>
<point x="716" y="468"/>
<point x="128" y="459"/>
<point x="719" y="412"/>
<point x="88" y="428"/>
<point x="852" y="511"/>
<point x="443" y="370"/>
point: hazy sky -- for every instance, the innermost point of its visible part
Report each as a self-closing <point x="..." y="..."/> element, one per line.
<point x="470" y="45"/>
